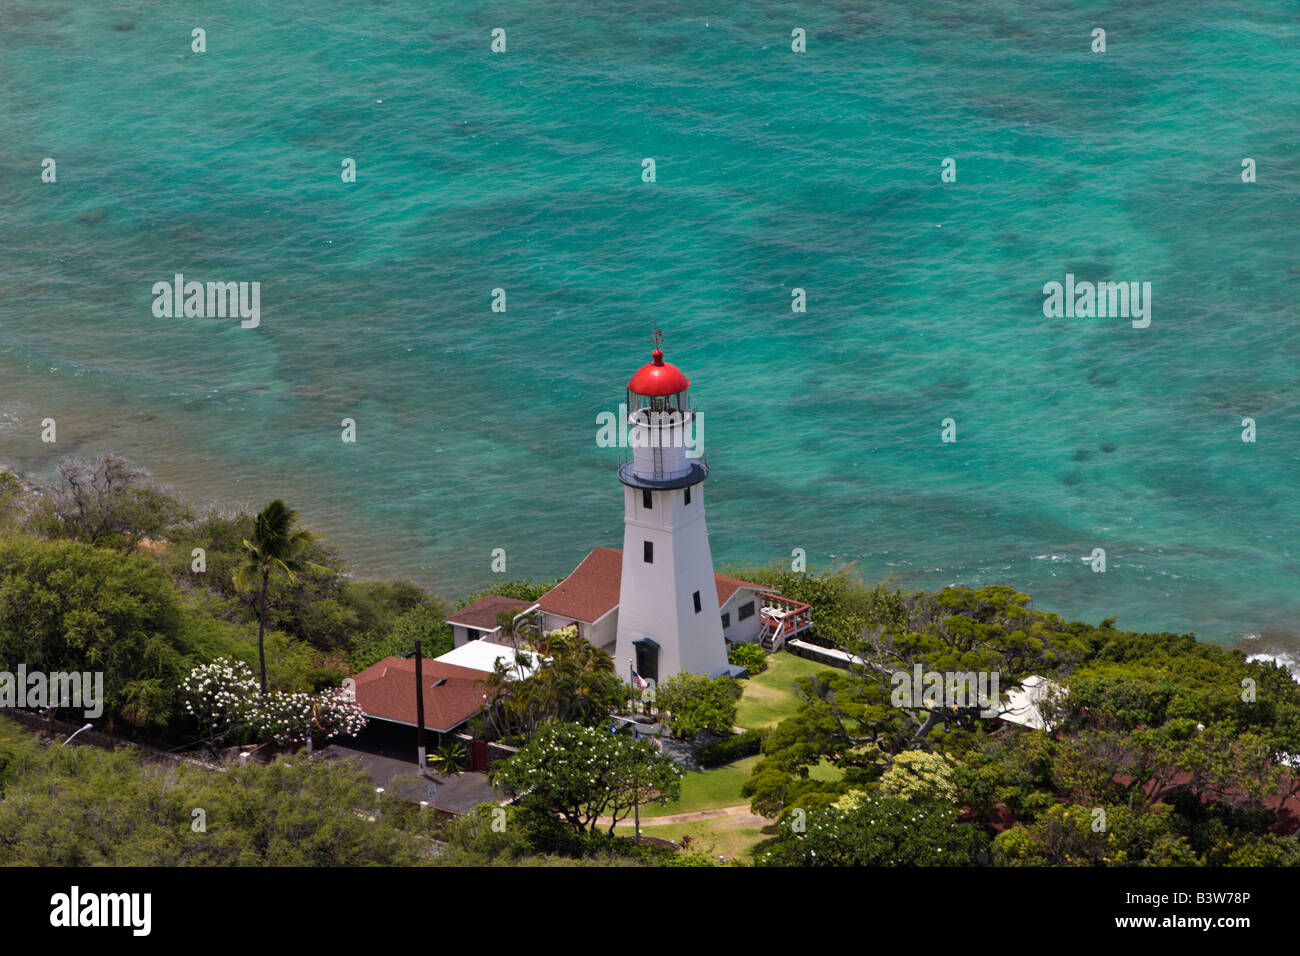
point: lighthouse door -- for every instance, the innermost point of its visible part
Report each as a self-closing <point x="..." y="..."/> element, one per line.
<point x="647" y="658"/>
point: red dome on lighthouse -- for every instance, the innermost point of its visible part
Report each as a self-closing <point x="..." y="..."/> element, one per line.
<point x="658" y="378"/>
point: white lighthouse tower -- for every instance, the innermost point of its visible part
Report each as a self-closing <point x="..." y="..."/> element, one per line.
<point x="668" y="618"/>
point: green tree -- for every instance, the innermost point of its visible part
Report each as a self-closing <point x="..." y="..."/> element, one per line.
<point x="425" y="621"/>
<point x="884" y="831"/>
<point x="855" y="720"/>
<point x="917" y="775"/>
<point x="81" y="806"/>
<point x="275" y="546"/>
<point x="111" y="504"/>
<point x="1115" y="835"/>
<point x="66" y="606"/>
<point x="485" y="836"/>
<point x="695" y="703"/>
<point x="574" y="682"/>
<point x="583" y="773"/>
<point x="15" y="500"/>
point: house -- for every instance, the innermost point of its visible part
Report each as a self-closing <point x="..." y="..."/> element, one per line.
<point x="655" y="613"/>
<point x="453" y="694"/>
<point x="477" y="621"/>
<point x="589" y="598"/>
<point x="483" y="655"/>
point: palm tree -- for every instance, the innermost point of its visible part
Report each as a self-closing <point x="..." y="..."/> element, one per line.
<point x="518" y="633"/>
<point x="275" y="545"/>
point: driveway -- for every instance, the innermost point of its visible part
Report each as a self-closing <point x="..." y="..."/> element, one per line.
<point x="456" y="793"/>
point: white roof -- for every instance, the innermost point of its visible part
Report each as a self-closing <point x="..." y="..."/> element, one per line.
<point x="483" y="656"/>
<point x="1023" y="701"/>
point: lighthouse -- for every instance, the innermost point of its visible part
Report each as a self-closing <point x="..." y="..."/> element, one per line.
<point x="668" y="615"/>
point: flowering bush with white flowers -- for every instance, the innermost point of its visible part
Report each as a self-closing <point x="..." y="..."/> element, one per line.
<point x="584" y="773"/>
<point x="221" y="695"/>
<point x="225" y="698"/>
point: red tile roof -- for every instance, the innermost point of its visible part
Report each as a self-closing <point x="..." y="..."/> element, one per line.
<point x="591" y="591"/>
<point x="482" y="614"/>
<point x="386" y="690"/>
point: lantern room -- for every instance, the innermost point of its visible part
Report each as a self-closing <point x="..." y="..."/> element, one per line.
<point x="660" y="417"/>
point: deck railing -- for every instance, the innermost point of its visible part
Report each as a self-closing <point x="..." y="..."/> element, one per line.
<point x="782" y="619"/>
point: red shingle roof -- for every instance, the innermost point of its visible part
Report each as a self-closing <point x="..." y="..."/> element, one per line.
<point x="728" y="586"/>
<point x="386" y="691"/>
<point x="591" y="591"/>
<point x="482" y="614"/>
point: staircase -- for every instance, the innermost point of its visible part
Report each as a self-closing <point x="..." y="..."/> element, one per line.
<point x="782" y="618"/>
<point x="773" y="636"/>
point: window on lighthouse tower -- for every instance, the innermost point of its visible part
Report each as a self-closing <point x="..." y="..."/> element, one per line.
<point x="646" y="500"/>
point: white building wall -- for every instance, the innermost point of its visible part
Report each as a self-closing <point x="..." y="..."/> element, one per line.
<point x="656" y="599"/>
<point x="748" y="629"/>
<point x="553" y="622"/>
<point x="600" y="634"/>
<point x="604" y="633"/>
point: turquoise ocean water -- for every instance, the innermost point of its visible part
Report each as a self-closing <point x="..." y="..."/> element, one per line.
<point x="476" y="430"/>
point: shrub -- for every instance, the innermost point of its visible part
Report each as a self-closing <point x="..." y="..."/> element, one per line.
<point x="695" y="703"/>
<point x="70" y="607"/>
<point x="749" y="656"/>
<point x="732" y="748"/>
<point x="109" y="504"/>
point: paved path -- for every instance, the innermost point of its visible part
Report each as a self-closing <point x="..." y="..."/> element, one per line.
<point x="741" y="813"/>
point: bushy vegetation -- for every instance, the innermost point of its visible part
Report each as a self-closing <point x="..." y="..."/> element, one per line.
<point x="693" y="703"/>
<point x="573" y="683"/>
<point x="107" y="570"/>
<point x="882" y="831"/>
<point x="80" y="806"/>
<point x="111" y="504"/>
<point x="749" y="656"/>
<point x="731" y="748"/>
<point x="66" y="606"/>
<point x="1161" y="751"/>
<point x="580" y="774"/>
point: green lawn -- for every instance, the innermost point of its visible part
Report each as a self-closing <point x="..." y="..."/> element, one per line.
<point x="707" y="790"/>
<point x="726" y="837"/>
<point x="825" y="770"/>
<point x="769" y="698"/>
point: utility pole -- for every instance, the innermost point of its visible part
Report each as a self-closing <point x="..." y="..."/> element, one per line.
<point x="419" y="705"/>
<point x="636" y="804"/>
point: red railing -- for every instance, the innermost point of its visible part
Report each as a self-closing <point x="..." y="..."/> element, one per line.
<point x="782" y="619"/>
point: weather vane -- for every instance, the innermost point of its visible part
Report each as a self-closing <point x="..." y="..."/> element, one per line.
<point x="658" y="337"/>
